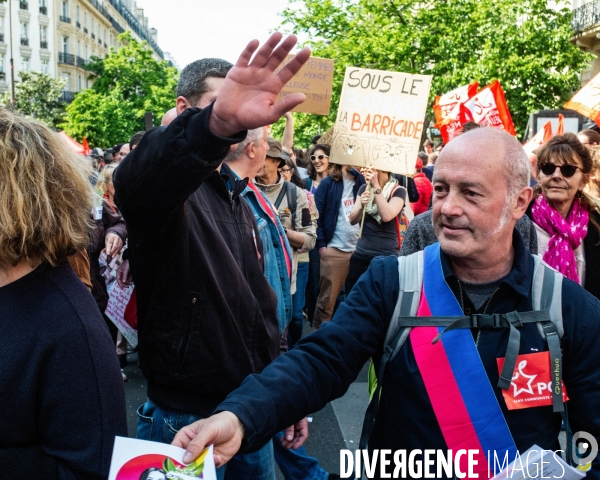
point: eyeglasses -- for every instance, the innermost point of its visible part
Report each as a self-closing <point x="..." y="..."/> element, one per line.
<point x="313" y="158"/>
<point x="566" y="170"/>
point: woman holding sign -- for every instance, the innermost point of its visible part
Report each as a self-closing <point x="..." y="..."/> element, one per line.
<point x="380" y="203"/>
<point x="336" y="236"/>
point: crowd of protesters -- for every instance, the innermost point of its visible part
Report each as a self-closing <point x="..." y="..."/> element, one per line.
<point x="236" y="243"/>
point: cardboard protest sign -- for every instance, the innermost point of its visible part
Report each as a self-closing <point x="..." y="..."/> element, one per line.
<point x="587" y="100"/>
<point x="380" y="120"/>
<point x="315" y="80"/>
<point x="445" y="104"/>
<point x="541" y="137"/>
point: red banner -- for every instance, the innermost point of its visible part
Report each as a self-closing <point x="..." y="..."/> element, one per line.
<point x="445" y="104"/>
<point x="541" y="137"/>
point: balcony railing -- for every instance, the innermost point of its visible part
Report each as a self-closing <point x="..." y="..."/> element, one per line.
<point x="24" y="41"/>
<point x="1" y="38"/>
<point x="23" y="5"/>
<point x="586" y="16"/>
<point x="67" y="96"/>
<point x="105" y="45"/>
<point x="93" y="36"/>
<point x="65" y="19"/>
<point x="43" y="44"/>
<point x="80" y="62"/>
<point x="66" y="58"/>
<point x="2" y="76"/>
<point x="99" y="41"/>
<point x="78" y="24"/>
<point x="85" y="30"/>
<point x="44" y="10"/>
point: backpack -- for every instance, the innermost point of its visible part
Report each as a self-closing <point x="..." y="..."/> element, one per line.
<point x="289" y="190"/>
<point x="547" y="314"/>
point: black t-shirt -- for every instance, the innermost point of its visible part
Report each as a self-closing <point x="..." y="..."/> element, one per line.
<point x="379" y="239"/>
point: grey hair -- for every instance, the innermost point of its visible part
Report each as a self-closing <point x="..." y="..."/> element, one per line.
<point x="253" y="136"/>
<point x="192" y="81"/>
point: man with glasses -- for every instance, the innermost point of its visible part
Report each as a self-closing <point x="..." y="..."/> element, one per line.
<point x="289" y="201"/>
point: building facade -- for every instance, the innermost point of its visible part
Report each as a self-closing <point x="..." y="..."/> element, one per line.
<point x="586" y="27"/>
<point x="58" y="37"/>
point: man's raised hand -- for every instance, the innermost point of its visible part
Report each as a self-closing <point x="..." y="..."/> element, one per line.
<point x="248" y="95"/>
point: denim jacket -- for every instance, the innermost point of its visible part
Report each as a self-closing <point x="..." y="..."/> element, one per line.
<point x="273" y="256"/>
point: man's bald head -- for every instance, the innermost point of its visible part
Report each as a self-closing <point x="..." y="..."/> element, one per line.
<point x="168" y="117"/>
<point x="493" y="145"/>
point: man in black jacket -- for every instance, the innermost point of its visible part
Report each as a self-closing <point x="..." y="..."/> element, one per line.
<point x="206" y="314"/>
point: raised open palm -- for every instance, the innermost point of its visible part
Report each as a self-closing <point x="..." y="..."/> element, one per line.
<point x="248" y="95"/>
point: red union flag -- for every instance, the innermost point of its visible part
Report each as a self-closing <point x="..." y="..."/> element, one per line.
<point x="531" y="384"/>
<point x="587" y="100"/>
<point x="541" y="137"/>
<point x="489" y="108"/>
<point x="452" y="126"/>
<point x="445" y="104"/>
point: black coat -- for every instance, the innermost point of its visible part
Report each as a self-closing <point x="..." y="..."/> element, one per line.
<point x="206" y="314"/>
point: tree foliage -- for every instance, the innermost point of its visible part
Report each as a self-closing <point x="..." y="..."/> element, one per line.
<point x="525" y="45"/>
<point x="38" y="95"/>
<point x="127" y="83"/>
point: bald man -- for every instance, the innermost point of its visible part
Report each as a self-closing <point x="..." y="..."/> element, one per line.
<point x="169" y="117"/>
<point x="451" y="391"/>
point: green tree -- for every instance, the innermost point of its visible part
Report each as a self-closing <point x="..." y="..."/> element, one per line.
<point x="525" y="45"/>
<point x="127" y="83"/>
<point x="39" y="95"/>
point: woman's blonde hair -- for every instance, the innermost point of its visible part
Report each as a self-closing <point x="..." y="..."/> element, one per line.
<point x="105" y="178"/>
<point x="45" y="194"/>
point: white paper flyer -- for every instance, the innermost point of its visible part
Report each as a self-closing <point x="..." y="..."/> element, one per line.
<point x="134" y="459"/>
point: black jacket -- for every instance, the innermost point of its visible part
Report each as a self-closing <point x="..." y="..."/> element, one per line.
<point x="206" y="314"/>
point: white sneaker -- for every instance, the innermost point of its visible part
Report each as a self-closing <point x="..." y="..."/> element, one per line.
<point x="124" y="376"/>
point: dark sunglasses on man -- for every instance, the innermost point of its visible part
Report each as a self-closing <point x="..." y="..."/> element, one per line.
<point x="566" y="170"/>
<point x="314" y="158"/>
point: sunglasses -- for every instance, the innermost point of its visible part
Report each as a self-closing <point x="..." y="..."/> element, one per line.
<point x="566" y="170"/>
<point x="314" y="158"/>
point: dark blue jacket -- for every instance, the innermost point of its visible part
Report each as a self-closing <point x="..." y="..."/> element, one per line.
<point x="328" y="200"/>
<point x="323" y="365"/>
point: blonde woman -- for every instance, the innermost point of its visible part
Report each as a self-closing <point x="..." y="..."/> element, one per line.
<point x="63" y="400"/>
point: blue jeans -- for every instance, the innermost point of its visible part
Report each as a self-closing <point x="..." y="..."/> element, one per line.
<point x="296" y="464"/>
<point x="160" y="425"/>
<point x="298" y="300"/>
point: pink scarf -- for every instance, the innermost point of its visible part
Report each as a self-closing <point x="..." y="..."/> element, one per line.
<point x="565" y="234"/>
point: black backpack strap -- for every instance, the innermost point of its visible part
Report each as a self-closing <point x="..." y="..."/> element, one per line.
<point x="292" y="199"/>
<point x="282" y="193"/>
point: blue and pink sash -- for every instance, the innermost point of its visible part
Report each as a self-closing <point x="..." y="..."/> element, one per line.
<point x="456" y="382"/>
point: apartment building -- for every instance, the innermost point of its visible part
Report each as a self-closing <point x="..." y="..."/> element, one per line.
<point x="59" y="36"/>
<point x="586" y="26"/>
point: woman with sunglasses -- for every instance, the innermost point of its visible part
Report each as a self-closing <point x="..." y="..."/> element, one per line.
<point x="318" y="168"/>
<point x="566" y="219"/>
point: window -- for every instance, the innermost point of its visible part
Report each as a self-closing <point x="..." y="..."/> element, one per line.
<point x="87" y="83"/>
<point x="93" y="25"/>
<point x="65" y="45"/>
<point x="45" y="67"/>
<point x="67" y="78"/>
<point x="43" y="33"/>
<point x="24" y="30"/>
<point x="65" y="9"/>
<point x="77" y="13"/>
<point x="79" y="83"/>
<point x="78" y="48"/>
<point x="87" y="56"/>
<point x="85" y="19"/>
<point x="1" y="63"/>
<point x="24" y="64"/>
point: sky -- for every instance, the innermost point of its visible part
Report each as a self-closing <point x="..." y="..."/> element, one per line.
<point x="194" y="29"/>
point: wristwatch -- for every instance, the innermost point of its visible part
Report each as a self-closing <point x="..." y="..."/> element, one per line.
<point x="378" y="191"/>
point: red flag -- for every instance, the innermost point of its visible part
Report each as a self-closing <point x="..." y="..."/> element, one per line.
<point x="86" y="148"/>
<point x="561" y="126"/>
<point x="451" y="127"/>
<point x="541" y="137"/>
<point x="445" y="104"/>
<point x="489" y="108"/>
<point x="586" y="101"/>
